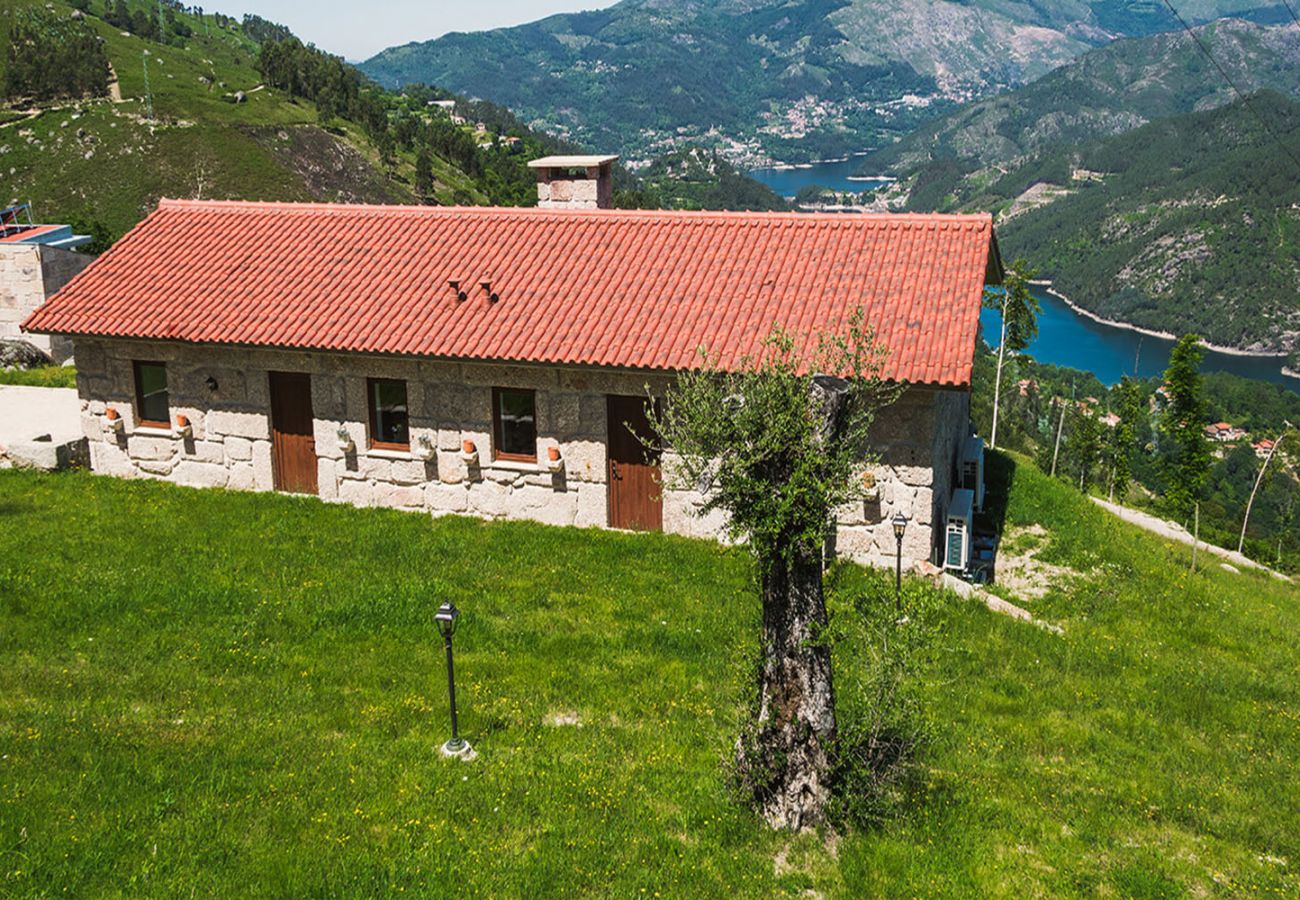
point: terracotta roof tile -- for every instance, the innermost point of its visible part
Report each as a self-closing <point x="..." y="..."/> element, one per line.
<point x="628" y="289"/>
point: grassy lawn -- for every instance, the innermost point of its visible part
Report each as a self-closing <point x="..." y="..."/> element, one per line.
<point x="217" y="693"/>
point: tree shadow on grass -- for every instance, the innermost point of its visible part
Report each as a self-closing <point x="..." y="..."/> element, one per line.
<point x="999" y="475"/>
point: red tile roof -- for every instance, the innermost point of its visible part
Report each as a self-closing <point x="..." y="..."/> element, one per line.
<point x="634" y="289"/>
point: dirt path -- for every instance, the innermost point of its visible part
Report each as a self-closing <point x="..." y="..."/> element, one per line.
<point x="1178" y="533"/>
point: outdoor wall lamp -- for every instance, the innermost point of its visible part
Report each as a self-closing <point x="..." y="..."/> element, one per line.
<point x="900" y="525"/>
<point x="446" y="617"/>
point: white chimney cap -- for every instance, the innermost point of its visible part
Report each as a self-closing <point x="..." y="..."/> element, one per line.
<point x="571" y="162"/>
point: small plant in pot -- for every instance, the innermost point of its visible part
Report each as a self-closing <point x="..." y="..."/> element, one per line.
<point x="113" y="420"/>
<point x="468" y="452"/>
<point x="553" y="460"/>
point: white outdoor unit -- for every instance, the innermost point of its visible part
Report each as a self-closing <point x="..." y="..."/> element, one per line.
<point x="972" y="468"/>
<point x="957" y="536"/>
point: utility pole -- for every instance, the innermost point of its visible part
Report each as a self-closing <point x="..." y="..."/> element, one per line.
<point x="1196" y="534"/>
<point x="997" y="381"/>
<point x="1059" y="428"/>
<point x="1241" y="542"/>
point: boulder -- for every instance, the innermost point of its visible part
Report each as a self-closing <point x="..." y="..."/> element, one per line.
<point x="18" y="354"/>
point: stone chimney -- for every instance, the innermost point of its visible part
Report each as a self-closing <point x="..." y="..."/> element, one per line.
<point x="575" y="182"/>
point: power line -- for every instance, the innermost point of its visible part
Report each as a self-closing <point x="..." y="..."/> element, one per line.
<point x="1232" y="84"/>
<point x="1291" y="10"/>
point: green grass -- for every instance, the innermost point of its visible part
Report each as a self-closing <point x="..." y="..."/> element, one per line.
<point x="43" y="376"/>
<point x="216" y="693"/>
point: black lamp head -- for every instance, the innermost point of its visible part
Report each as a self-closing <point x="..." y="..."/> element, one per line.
<point x="900" y="525"/>
<point x="446" y="617"/>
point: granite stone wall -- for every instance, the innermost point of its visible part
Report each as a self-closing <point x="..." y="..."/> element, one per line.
<point x="29" y="275"/>
<point x="450" y="402"/>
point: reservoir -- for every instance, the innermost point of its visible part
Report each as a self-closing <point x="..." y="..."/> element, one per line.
<point x="1065" y="338"/>
<point x="834" y="175"/>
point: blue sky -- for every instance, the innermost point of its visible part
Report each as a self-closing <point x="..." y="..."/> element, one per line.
<point x="358" y="30"/>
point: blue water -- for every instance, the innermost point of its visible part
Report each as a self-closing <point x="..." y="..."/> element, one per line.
<point x="833" y="175"/>
<point x="1066" y="338"/>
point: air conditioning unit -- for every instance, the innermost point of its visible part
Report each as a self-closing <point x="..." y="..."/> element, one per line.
<point x="957" y="535"/>
<point x="972" y="469"/>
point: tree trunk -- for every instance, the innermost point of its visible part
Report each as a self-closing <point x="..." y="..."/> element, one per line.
<point x="785" y="758"/>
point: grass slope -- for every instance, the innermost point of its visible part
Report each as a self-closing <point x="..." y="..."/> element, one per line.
<point x="243" y="693"/>
<point x="100" y="161"/>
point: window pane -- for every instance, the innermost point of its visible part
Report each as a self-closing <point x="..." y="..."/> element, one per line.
<point x="151" y="382"/>
<point x="518" y="423"/>
<point x="388" y="400"/>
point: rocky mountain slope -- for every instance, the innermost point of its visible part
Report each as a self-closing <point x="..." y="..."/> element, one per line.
<point x="1107" y="91"/>
<point x="793" y="79"/>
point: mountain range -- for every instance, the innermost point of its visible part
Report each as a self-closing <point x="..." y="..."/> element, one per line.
<point x="786" y="79"/>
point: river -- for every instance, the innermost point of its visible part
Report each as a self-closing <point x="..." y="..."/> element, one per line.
<point x="1065" y="338"/>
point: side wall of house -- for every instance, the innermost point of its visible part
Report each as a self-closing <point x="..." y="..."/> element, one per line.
<point x="450" y="402"/>
<point x="29" y="275"/>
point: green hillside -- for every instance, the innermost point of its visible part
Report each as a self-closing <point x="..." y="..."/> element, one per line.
<point x="790" y="79"/>
<point x="103" y="162"/>
<point x="1193" y="224"/>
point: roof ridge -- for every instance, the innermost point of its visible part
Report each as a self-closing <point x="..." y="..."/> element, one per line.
<point x="673" y="214"/>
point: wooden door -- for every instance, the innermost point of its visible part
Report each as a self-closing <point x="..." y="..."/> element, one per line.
<point x="635" y="492"/>
<point x="293" y="446"/>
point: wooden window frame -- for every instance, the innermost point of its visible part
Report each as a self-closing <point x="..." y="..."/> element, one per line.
<point x="373" y="423"/>
<point x="140" y="420"/>
<point x="497" y="452"/>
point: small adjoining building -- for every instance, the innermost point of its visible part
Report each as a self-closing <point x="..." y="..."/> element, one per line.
<point x="490" y="361"/>
<point x="35" y="262"/>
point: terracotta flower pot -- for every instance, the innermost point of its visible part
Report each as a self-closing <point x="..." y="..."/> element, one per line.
<point x="467" y="446"/>
<point x="112" y="415"/>
<point x="553" y="454"/>
<point x="182" y="421"/>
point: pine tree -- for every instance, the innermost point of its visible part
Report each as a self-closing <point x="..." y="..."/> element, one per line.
<point x="1121" y="439"/>
<point x="1185" y="455"/>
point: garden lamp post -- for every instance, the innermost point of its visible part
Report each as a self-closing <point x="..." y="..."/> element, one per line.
<point x="900" y="525"/>
<point x="446" y="617"/>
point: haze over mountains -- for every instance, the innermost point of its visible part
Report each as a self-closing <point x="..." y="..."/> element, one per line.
<point x="790" y="80"/>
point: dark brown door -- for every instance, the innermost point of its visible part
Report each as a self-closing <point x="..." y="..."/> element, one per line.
<point x="293" y="447"/>
<point x="635" y="494"/>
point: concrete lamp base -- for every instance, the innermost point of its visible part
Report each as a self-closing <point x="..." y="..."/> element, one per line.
<point x="463" y="751"/>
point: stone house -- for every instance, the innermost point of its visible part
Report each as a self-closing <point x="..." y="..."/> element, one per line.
<point x="490" y="361"/>
<point x="35" y="262"/>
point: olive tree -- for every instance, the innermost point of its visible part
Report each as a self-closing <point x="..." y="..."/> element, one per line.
<point x="777" y="443"/>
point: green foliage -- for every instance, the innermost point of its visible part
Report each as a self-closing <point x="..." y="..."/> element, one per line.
<point x="698" y="179"/>
<point x="1016" y="304"/>
<point x="884" y="732"/>
<point x="751" y="437"/>
<point x="51" y="56"/>
<point x="1120" y="440"/>
<point x="42" y="376"/>
<point x="1184" y="453"/>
